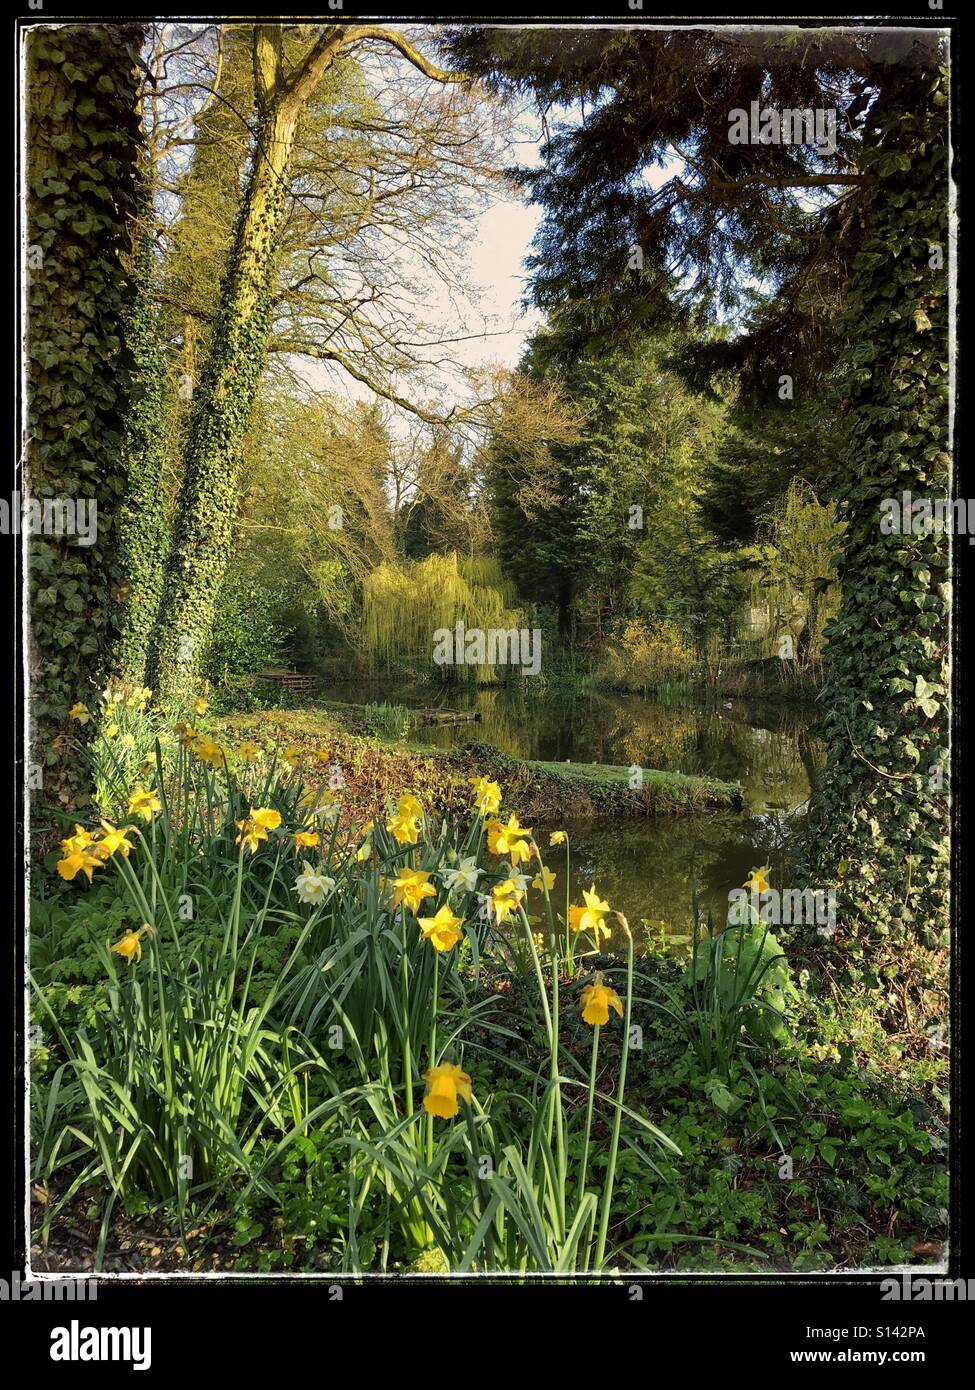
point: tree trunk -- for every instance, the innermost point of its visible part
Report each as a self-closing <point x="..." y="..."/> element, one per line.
<point x="208" y="499"/>
<point x="879" y="820"/>
<point x="84" y="144"/>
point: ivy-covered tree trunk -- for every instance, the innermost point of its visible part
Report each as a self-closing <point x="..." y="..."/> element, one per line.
<point x="84" y="140"/>
<point x="209" y="495"/>
<point x="141" y="525"/>
<point x="879" y="821"/>
<point x="208" y="499"/>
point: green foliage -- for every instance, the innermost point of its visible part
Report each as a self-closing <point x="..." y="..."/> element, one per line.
<point x="84" y="147"/>
<point x="142" y="527"/>
<point x="879" y="825"/>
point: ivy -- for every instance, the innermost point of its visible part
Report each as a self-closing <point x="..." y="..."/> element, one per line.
<point x="879" y="823"/>
<point x="84" y="135"/>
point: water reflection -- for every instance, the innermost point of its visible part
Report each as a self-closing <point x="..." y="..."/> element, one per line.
<point x="647" y="867"/>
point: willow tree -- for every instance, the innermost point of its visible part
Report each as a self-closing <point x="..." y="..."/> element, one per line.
<point x="406" y="603"/>
<point x="222" y="404"/>
<point x="834" y="258"/>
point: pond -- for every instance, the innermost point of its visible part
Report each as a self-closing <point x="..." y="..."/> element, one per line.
<point x="647" y="867"/>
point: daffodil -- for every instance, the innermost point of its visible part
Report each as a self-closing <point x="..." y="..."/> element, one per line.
<point x="590" y="917"/>
<point x="464" y="878"/>
<point x="443" y="930"/>
<point x="311" y="887"/>
<point x="597" y="1000"/>
<point x="112" y="840"/>
<point x="200" y="706"/>
<point x="411" y="887"/>
<point x="251" y="834"/>
<point x="405" y="830"/>
<point x="80" y="840"/>
<point x="487" y="795"/>
<point x="207" y="751"/>
<point x="505" y="898"/>
<point x="758" y="883"/>
<point x="509" y="839"/>
<point x="78" y="861"/>
<point x="444" y="1084"/>
<point x="144" y="804"/>
<point x="130" y="947"/>
<point x="248" y="752"/>
<point x="306" y="839"/>
<point x="80" y="712"/>
<point x="544" y="879"/>
<point x="557" y="837"/>
<point x="111" y="730"/>
<point x="409" y="806"/>
<point x="265" y="817"/>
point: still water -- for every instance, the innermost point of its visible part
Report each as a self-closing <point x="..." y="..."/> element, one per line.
<point x="646" y="867"/>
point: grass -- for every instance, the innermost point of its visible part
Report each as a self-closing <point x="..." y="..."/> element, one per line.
<point x="373" y="766"/>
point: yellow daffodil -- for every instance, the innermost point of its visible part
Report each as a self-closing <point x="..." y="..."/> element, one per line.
<point x="544" y="879"/>
<point x="411" y="887"/>
<point x="78" y="861"/>
<point x="509" y="839"/>
<point x="200" y="706"/>
<point x="442" y="931"/>
<point x="405" y="830"/>
<point x="557" y="837"/>
<point x="306" y="839"/>
<point x="409" y="807"/>
<point x="130" y="947"/>
<point x="80" y="840"/>
<point x="248" y="752"/>
<point x="80" y="712"/>
<point x="590" y="917"/>
<point x="265" y="817"/>
<point x="144" y="804"/>
<point x="113" y="839"/>
<point x="487" y="795"/>
<point x="111" y="730"/>
<point x="758" y="883"/>
<point x="597" y="1000"/>
<point x="505" y="897"/>
<point x="444" y="1084"/>
<point x="207" y="751"/>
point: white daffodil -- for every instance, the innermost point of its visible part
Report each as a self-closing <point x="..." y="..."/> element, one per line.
<point x="311" y="887"/>
<point x="462" y="879"/>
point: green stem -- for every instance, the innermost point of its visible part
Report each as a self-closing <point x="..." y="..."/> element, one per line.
<point x="618" y="1117"/>
<point x="592" y="1092"/>
<point x="433" y="1047"/>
